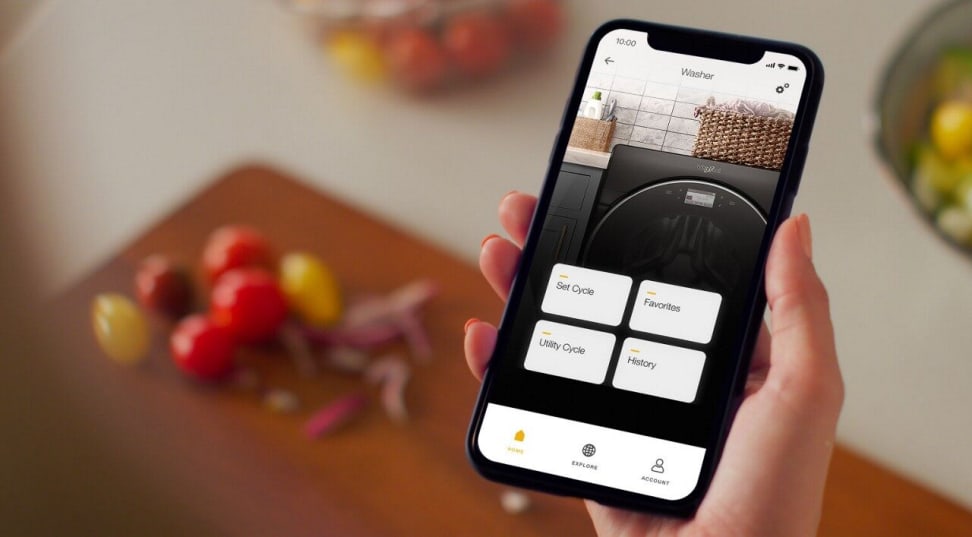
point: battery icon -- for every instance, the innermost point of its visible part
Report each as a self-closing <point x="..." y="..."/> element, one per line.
<point x="793" y="68"/>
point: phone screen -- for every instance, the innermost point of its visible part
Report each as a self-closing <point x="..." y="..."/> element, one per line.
<point x="614" y="368"/>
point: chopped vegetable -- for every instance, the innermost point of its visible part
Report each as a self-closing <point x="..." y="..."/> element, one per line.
<point x="120" y="328"/>
<point x="297" y="345"/>
<point x="348" y="359"/>
<point x="415" y="335"/>
<point x="392" y="374"/>
<point x="375" y="321"/>
<point x="514" y="502"/>
<point x="281" y="401"/>
<point x="332" y="416"/>
<point x="362" y="337"/>
<point x="409" y="297"/>
<point x="932" y="169"/>
<point x="956" y="224"/>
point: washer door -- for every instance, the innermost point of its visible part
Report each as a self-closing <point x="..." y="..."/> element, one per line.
<point x="685" y="232"/>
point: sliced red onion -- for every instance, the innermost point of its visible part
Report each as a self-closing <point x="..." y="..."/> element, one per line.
<point x="292" y="337"/>
<point x="348" y="359"/>
<point x="362" y="337"/>
<point x="334" y="415"/>
<point x="415" y="335"/>
<point x="392" y="374"/>
<point x="414" y="294"/>
<point x="375" y="321"/>
<point x="373" y="310"/>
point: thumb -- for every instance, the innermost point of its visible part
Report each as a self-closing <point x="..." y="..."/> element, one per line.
<point x="774" y="466"/>
<point x="803" y="364"/>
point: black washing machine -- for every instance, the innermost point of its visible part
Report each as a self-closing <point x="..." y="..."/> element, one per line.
<point x="662" y="216"/>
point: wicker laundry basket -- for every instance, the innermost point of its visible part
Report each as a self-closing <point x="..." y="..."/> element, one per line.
<point x="742" y="138"/>
<point x="592" y="134"/>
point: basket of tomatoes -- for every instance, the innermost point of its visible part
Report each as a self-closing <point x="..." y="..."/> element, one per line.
<point x="423" y="46"/>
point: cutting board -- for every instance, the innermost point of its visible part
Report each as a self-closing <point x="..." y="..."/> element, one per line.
<point x="247" y="470"/>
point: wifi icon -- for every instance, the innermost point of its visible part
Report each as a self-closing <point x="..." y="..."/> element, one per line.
<point x="781" y="66"/>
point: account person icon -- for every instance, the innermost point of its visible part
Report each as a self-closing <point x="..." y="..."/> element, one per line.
<point x="659" y="467"/>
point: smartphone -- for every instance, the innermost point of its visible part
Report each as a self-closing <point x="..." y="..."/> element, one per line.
<point x="625" y="344"/>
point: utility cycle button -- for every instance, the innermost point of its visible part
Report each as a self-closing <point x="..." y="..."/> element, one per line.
<point x="569" y="352"/>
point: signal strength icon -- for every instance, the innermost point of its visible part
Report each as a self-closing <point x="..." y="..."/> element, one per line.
<point x="771" y="65"/>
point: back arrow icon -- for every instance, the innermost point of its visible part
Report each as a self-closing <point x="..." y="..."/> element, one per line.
<point x="608" y="60"/>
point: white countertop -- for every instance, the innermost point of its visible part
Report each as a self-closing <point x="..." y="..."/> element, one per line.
<point x="116" y="111"/>
<point x="587" y="157"/>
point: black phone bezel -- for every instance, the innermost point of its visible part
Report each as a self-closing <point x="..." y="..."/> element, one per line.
<point x="697" y="42"/>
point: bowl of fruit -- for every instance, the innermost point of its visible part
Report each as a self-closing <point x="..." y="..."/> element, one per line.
<point x="423" y="46"/>
<point x="924" y="108"/>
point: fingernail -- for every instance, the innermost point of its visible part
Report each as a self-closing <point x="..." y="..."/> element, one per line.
<point x="469" y="323"/>
<point x="806" y="238"/>
<point x="508" y="194"/>
<point x="488" y="238"/>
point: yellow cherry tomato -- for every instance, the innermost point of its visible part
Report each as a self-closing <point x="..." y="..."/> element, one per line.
<point x="311" y="288"/>
<point x="951" y="129"/>
<point x="357" y="54"/>
<point x="120" y="328"/>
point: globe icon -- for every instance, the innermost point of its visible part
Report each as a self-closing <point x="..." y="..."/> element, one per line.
<point x="588" y="450"/>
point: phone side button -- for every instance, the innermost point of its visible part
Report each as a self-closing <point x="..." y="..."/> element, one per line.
<point x="787" y="205"/>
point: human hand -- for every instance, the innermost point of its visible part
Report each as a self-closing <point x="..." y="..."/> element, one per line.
<point x="771" y="478"/>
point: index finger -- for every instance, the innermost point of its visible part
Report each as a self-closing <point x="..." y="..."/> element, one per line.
<point x="515" y="212"/>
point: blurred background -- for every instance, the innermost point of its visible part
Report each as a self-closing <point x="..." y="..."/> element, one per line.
<point x="115" y="112"/>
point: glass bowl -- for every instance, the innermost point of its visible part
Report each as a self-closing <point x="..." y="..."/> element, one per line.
<point x="906" y="97"/>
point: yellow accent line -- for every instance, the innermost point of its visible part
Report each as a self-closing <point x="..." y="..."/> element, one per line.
<point x="564" y="276"/>
<point x="635" y="350"/>
<point x="652" y="293"/>
<point x="545" y="333"/>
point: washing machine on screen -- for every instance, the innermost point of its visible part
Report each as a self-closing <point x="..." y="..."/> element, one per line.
<point x="661" y="216"/>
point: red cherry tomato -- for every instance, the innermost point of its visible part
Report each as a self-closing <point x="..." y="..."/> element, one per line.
<point x="202" y="348"/>
<point x="162" y="286"/>
<point x="536" y="23"/>
<point x="231" y="247"/>
<point x="250" y="303"/>
<point x="416" y="60"/>
<point x="478" y="43"/>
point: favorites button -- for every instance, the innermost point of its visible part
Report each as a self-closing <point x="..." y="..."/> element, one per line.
<point x="675" y="311"/>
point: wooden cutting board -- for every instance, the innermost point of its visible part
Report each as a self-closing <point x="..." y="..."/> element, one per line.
<point x="247" y="470"/>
